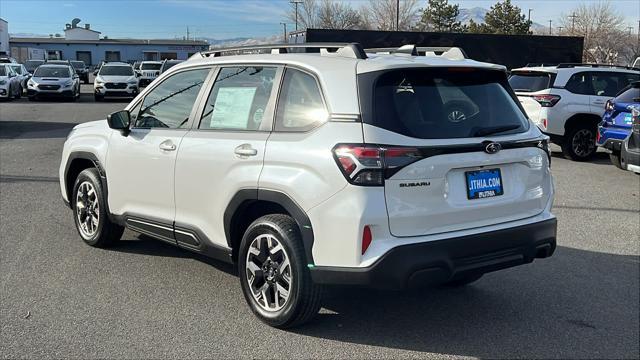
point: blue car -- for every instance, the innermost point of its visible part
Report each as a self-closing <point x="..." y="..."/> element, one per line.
<point x="617" y="121"/>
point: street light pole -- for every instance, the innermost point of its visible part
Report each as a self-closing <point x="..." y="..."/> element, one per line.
<point x="550" y="27"/>
<point x="284" y="37"/>
<point x="397" y="15"/>
<point x="295" y="3"/>
<point x="529" y="19"/>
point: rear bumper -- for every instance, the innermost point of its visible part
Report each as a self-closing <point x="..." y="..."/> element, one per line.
<point x="611" y="138"/>
<point x="443" y="260"/>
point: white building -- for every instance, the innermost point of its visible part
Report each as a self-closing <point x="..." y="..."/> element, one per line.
<point x="4" y="37"/>
<point x="74" y="32"/>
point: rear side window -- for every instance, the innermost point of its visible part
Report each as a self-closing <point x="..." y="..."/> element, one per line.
<point x="580" y="83"/>
<point x="169" y="104"/>
<point x="300" y="106"/>
<point x="530" y="81"/>
<point x="239" y="98"/>
<point x="440" y="103"/>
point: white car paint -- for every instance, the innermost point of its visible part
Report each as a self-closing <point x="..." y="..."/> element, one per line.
<point x="194" y="183"/>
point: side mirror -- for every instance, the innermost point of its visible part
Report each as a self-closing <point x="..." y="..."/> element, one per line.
<point x="138" y="74"/>
<point x="95" y="72"/>
<point x="120" y="120"/>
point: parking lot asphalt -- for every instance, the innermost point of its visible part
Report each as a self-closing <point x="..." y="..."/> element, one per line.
<point x="144" y="299"/>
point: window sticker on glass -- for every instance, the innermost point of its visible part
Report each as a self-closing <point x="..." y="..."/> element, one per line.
<point x="232" y="107"/>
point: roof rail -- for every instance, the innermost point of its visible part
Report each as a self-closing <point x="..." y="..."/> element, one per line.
<point x="448" y="52"/>
<point x="350" y="50"/>
<point x="571" y="65"/>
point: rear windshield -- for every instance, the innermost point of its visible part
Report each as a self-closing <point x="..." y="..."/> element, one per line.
<point x="116" y="70"/>
<point x="440" y="103"/>
<point x="530" y="81"/>
<point x="52" y="71"/>
<point x="151" y="66"/>
<point x="630" y="94"/>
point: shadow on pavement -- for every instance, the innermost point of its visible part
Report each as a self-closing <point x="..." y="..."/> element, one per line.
<point x="34" y="129"/>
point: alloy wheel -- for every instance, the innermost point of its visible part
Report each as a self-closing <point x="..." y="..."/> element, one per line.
<point x="87" y="209"/>
<point x="583" y="142"/>
<point x="268" y="272"/>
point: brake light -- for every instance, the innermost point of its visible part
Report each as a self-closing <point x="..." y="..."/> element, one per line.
<point x="369" y="165"/>
<point x="366" y="238"/>
<point x="546" y="100"/>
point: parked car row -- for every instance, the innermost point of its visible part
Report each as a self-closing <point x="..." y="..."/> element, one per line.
<point x="582" y="106"/>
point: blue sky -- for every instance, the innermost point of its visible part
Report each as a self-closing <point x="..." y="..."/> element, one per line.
<point x="219" y="19"/>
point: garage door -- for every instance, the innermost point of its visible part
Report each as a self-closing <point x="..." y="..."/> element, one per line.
<point x="84" y="56"/>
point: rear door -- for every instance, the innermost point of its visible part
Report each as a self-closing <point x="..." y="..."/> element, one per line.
<point x="224" y="152"/>
<point x="454" y="153"/>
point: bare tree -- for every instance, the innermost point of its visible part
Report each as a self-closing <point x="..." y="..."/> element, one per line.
<point x="602" y="28"/>
<point x="381" y="14"/>
<point x="338" y="15"/>
<point x="307" y="14"/>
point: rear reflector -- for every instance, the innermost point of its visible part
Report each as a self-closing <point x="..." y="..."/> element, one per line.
<point x="366" y="238"/>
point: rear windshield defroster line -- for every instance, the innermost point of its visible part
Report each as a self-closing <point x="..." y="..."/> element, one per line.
<point x="442" y="103"/>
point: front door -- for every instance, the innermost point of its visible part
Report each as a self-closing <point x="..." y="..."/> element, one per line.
<point x="142" y="163"/>
<point x="224" y="152"/>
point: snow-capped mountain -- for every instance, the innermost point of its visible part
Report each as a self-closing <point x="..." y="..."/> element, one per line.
<point x="477" y="14"/>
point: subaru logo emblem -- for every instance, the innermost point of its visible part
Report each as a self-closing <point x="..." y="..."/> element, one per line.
<point x="492" y="148"/>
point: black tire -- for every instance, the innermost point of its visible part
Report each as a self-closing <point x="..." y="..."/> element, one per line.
<point x="304" y="299"/>
<point x="580" y="143"/>
<point x="98" y="98"/>
<point x="32" y="98"/>
<point x="106" y="232"/>
<point x="616" y="160"/>
<point x="19" y="93"/>
<point x="462" y="280"/>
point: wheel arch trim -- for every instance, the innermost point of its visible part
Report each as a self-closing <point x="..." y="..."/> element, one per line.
<point x="244" y="197"/>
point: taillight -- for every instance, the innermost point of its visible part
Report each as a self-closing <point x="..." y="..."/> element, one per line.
<point x="546" y="100"/>
<point x="369" y="165"/>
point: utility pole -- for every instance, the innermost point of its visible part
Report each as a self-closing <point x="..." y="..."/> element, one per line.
<point x="560" y="30"/>
<point x="550" y="21"/>
<point x="295" y="3"/>
<point x="573" y="17"/>
<point x="284" y="35"/>
<point x="529" y="20"/>
<point x="187" y="33"/>
<point x="397" y="15"/>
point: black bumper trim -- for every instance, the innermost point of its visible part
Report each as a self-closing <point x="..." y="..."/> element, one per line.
<point x="443" y="260"/>
<point x="613" y="145"/>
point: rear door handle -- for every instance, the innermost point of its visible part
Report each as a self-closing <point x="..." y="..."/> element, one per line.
<point x="246" y="150"/>
<point x="167" y="145"/>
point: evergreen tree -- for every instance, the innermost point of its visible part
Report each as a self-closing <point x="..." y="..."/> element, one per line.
<point x="440" y="16"/>
<point x="506" y="18"/>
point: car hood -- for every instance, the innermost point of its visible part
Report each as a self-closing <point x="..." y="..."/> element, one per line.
<point x="49" y="80"/>
<point x="92" y="124"/>
<point x="114" y="78"/>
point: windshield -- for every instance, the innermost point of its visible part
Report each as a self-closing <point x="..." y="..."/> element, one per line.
<point x="17" y="69"/>
<point x="33" y="64"/>
<point x="530" y="81"/>
<point x="150" y="66"/>
<point x="116" y="71"/>
<point x="52" y="71"/>
<point x="78" y="64"/>
<point x="440" y="103"/>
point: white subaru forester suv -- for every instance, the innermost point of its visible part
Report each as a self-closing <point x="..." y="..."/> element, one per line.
<point x="321" y="164"/>
<point x="567" y="101"/>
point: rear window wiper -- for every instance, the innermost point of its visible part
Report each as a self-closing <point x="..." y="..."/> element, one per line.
<point x="495" y="130"/>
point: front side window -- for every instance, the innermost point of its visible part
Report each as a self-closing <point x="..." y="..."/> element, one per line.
<point x="17" y="69"/>
<point x="300" y="106"/>
<point x="3" y="71"/>
<point x="606" y="84"/>
<point x="169" y="104"/>
<point x="440" y="103"/>
<point x="239" y="98"/>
